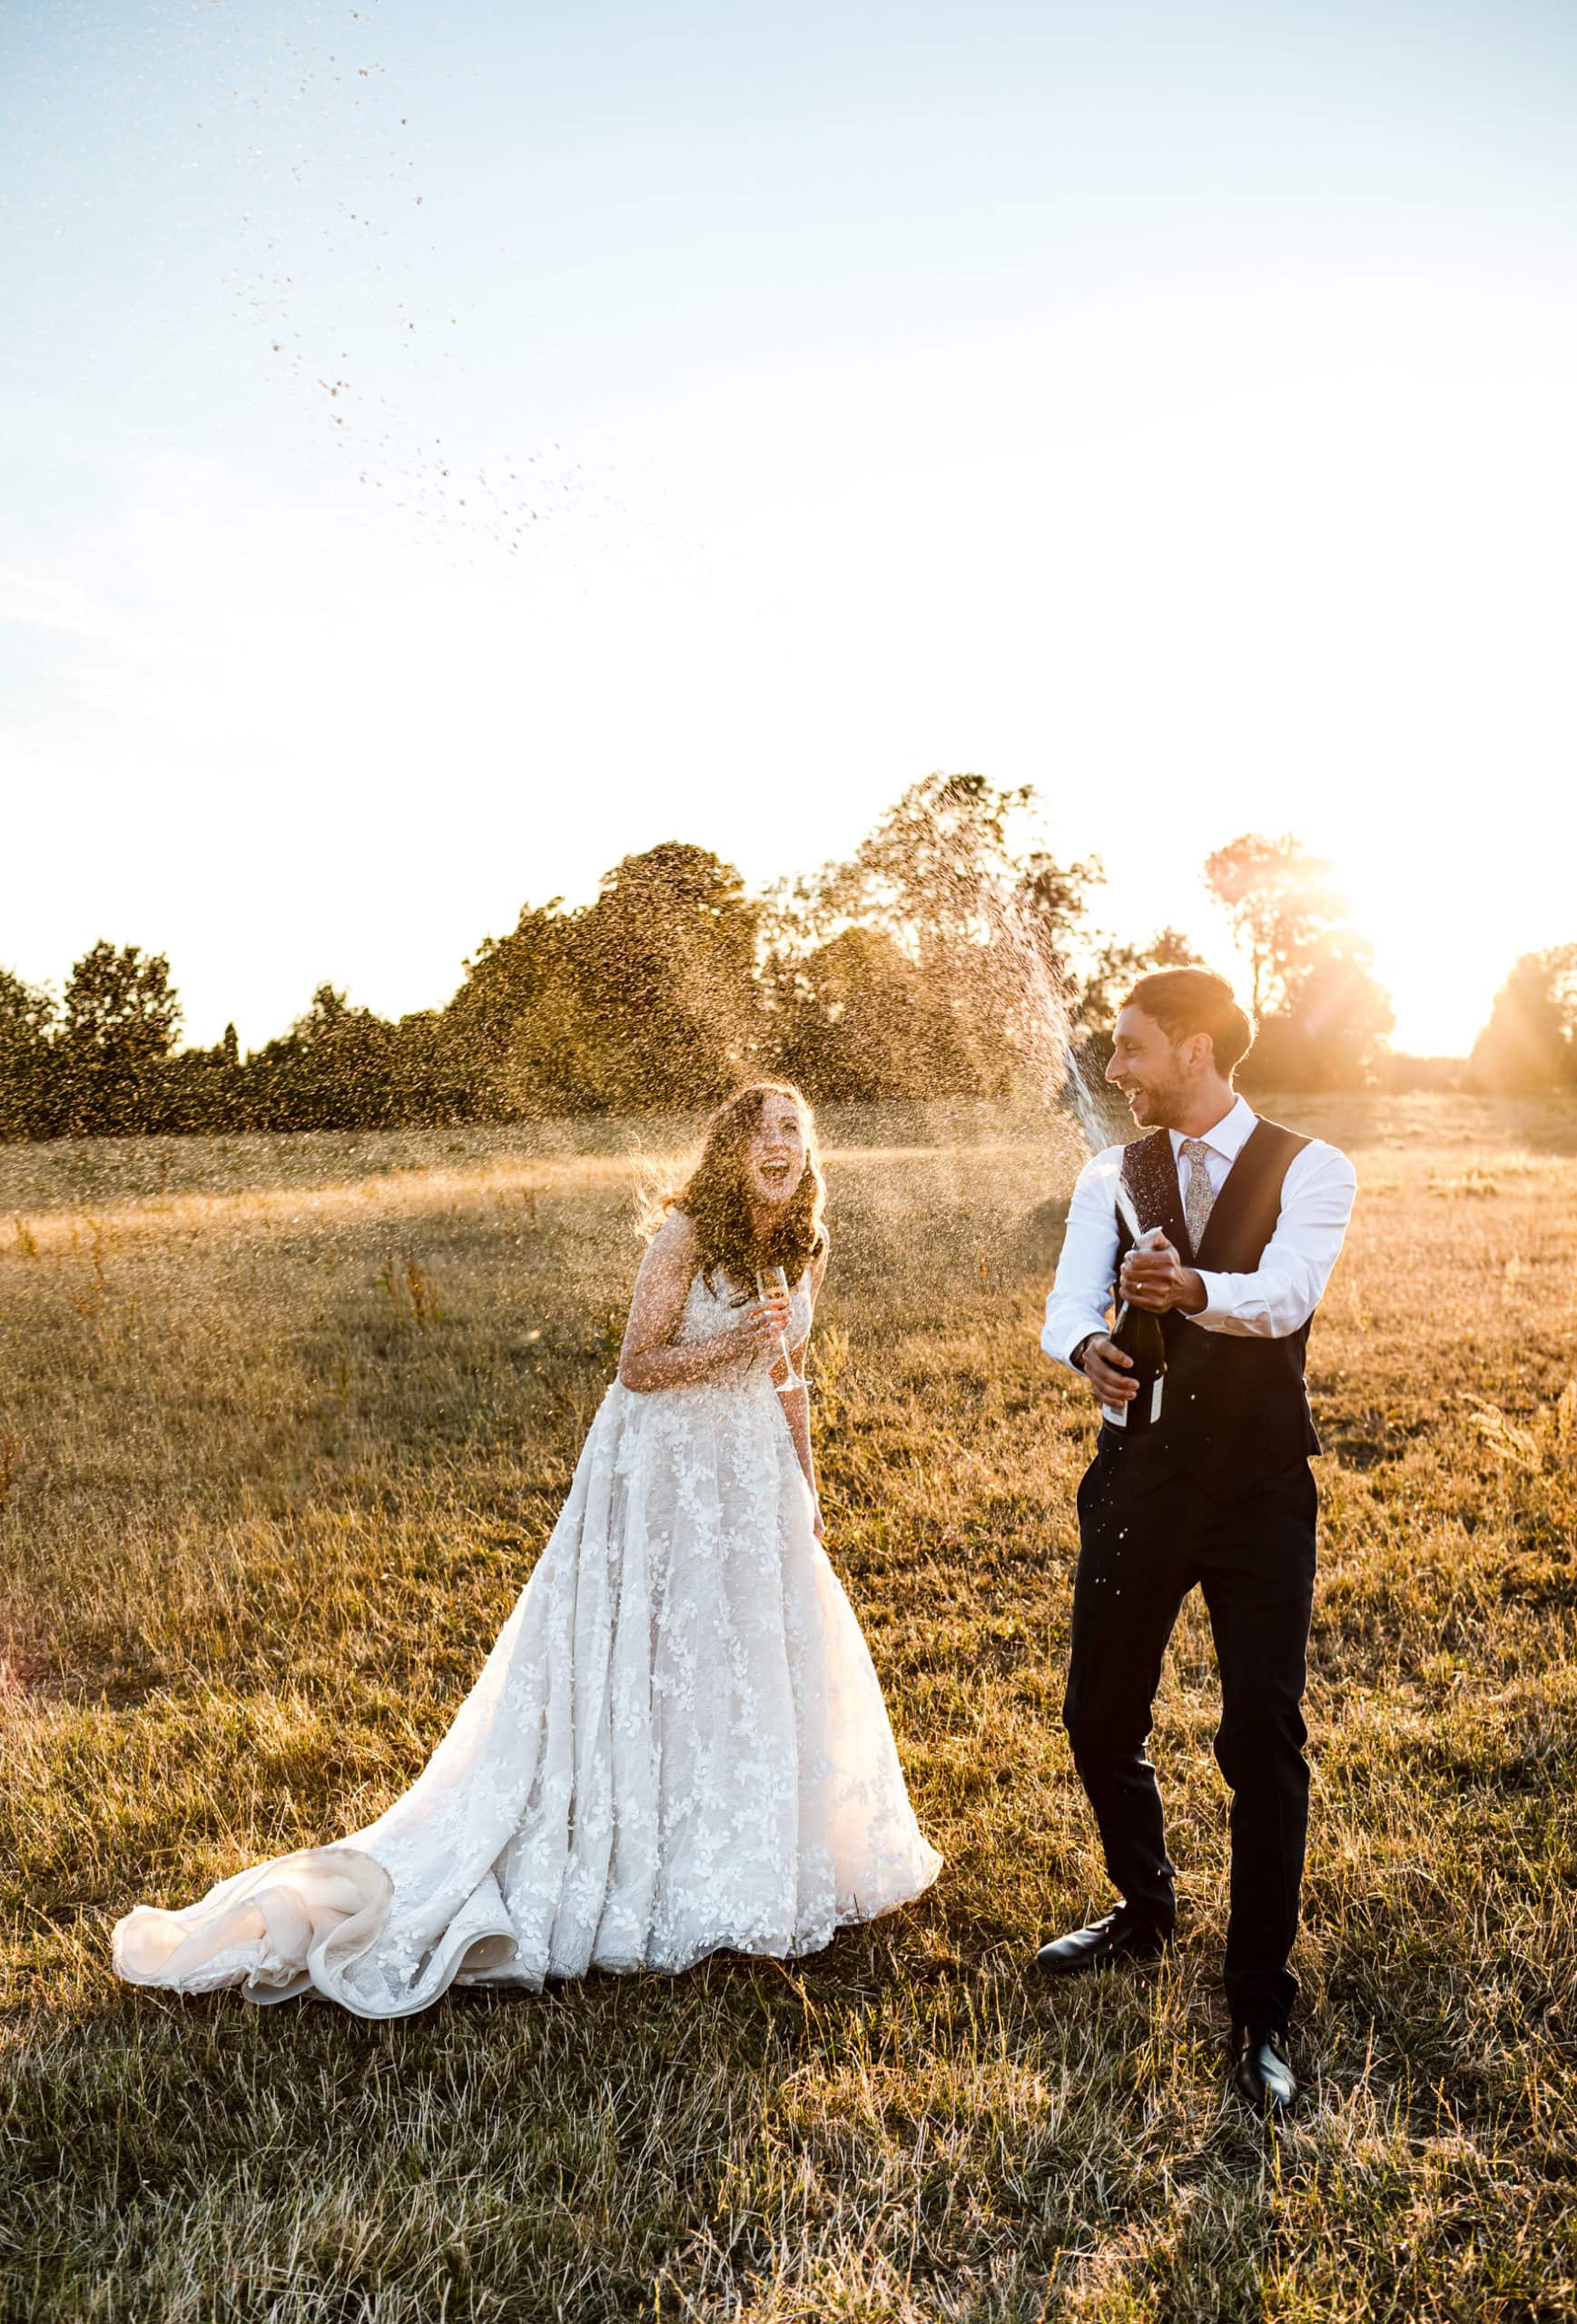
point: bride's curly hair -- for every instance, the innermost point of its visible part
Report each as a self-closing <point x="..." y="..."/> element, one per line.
<point x="713" y="1197"/>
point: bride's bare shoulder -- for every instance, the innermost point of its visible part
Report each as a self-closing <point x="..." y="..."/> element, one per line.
<point x="663" y="1283"/>
<point x="675" y="1246"/>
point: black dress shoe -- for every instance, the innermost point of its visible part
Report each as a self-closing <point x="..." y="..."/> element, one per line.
<point x="1260" y="2070"/>
<point x="1114" y="1937"/>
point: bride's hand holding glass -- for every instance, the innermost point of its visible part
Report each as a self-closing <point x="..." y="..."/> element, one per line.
<point x="760" y="1327"/>
<point x="774" y="1286"/>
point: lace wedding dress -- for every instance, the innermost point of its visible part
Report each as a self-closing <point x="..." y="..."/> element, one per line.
<point x="676" y="1747"/>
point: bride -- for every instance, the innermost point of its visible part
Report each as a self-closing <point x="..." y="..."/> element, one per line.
<point x="677" y="1746"/>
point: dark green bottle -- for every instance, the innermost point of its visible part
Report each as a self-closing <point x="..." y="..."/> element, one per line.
<point x="1138" y="1335"/>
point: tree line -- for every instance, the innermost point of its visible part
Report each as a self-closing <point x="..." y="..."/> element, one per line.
<point x="935" y="962"/>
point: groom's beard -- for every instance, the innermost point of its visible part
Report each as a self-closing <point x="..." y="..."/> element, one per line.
<point x="1155" y="1106"/>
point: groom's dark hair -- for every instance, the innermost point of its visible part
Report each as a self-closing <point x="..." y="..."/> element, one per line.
<point x="1195" y="1000"/>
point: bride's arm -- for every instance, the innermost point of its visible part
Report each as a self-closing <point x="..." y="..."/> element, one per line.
<point x="648" y="1359"/>
<point x="796" y="1402"/>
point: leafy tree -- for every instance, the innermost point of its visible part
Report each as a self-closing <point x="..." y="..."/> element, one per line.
<point x="119" y="1018"/>
<point x="931" y="870"/>
<point x="428" y="1081"/>
<point x="1284" y="913"/>
<point x="940" y="871"/>
<point x="505" y="1033"/>
<point x="987" y="930"/>
<point x="1530" y="1042"/>
<point x="664" y="966"/>
<point x="26" y="1059"/>
<point x="1324" y="1020"/>
<point x="860" y="1022"/>
<point x="334" y="1069"/>
<point x="647" y="997"/>
<point x="935" y="961"/>
<point x="1333" y="1035"/>
<point x="199" y="1091"/>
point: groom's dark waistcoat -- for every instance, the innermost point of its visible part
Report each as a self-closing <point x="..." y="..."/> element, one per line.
<point x="1233" y="1409"/>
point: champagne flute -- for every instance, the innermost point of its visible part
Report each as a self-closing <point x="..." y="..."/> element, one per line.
<point x="773" y="1283"/>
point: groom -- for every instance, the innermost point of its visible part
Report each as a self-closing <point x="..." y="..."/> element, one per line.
<point x="1219" y="1492"/>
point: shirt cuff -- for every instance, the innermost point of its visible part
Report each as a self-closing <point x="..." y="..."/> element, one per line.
<point x="1060" y="1349"/>
<point x="1218" y="1308"/>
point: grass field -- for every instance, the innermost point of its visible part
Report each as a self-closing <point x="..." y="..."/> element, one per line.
<point x="283" y="1425"/>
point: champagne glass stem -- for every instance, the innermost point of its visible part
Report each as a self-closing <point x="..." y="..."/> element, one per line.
<point x="775" y="1280"/>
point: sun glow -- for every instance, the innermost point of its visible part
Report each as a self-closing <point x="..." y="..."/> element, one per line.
<point x="1446" y="921"/>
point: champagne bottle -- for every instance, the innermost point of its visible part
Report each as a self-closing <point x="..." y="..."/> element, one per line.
<point x="1138" y="1334"/>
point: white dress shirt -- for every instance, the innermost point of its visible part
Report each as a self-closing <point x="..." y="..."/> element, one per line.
<point x="1271" y="1302"/>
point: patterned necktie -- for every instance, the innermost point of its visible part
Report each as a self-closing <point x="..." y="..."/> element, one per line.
<point x="1198" y="1195"/>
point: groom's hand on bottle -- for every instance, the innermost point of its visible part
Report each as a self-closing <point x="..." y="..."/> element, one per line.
<point x="1109" y="1372"/>
<point x="1156" y="1279"/>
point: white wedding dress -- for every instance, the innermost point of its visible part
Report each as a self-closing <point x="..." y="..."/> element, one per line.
<point x="677" y="1747"/>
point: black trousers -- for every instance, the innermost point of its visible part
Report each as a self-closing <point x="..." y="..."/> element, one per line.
<point x="1253" y="1556"/>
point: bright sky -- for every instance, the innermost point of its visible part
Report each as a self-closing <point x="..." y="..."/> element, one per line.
<point x="743" y="411"/>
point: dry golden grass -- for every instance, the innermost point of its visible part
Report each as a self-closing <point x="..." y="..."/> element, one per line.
<point x="283" y="1425"/>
